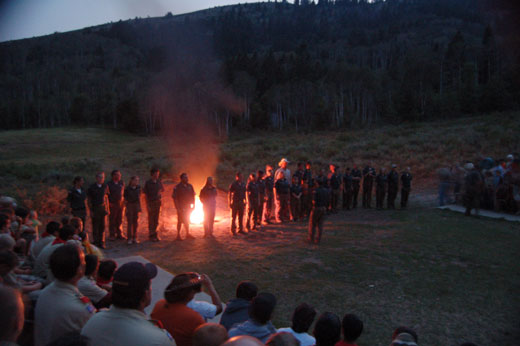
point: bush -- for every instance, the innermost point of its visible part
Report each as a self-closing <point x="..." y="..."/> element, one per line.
<point x="50" y="201"/>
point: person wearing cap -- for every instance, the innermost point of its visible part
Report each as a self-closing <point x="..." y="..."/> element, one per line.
<point x="269" y="194"/>
<point x="237" y="203"/>
<point x="61" y="308"/>
<point x="393" y="187"/>
<point x="208" y="198"/>
<point x="152" y="191"/>
<point x="472" y="189"/>
<point x="259" y="323"/>
<point x="320" y="201"/>
<point x="184" y="200"/>
<point x="173" y="312"/>
<point x="97" y="201"/>
<point x="406" y="186"/>
<point x="116" y="188"/>
<point x="381" y="182"/>
<point x="125" y="323"/>
<point x="283" y="168"/>
<point x="356" y="182"/>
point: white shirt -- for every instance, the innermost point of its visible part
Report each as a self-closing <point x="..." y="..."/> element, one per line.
<point x="304" y="338"/>
<point x="286" y="172"/>
<point x="59" y="310"/>
<point x="205" y="309"/>
<point x="87" y="286"/>
<point x="125" y="327"/>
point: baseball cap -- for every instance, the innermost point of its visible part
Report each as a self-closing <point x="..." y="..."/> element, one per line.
<point x="134" y="276"/>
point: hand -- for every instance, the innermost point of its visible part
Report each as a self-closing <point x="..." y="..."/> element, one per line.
<point x="206" y="281"/>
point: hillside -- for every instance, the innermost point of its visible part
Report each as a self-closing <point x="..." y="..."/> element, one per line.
<point x="275" y="65"/>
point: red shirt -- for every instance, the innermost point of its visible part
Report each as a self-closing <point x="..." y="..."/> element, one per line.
<point x="178" y="319"/>
<point x="344" y="343"/>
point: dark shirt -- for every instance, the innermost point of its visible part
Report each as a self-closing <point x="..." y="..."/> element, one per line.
<point x="323" y="180"/>
<point x="153" y="190"/>
<point x="269" y="185"/>
<point x="282" y="186"/>
<point x="296" y="189"/>
<point x="252" y="191"/>
<point x="347" y="181"/>
<point x="393" y="180"/>
<point x="77" y="199"/>
<point x="406" y="180"/>
<point x="368" y="175"/>
<point x="321" y="197"/>
<point x="238" y="192"/>
<point x="96" y="194"/>
<point x="381" y="181"/>
<point x="334" y="181"/>
<point x="237" y="311"/>
<point x="299" y="174"/>
<point x="307" y="177"/>
<point x="133" y="195"/>
<point x="261" y="187"/>
<point x="356" y="173"/>
<point x="208" y="196"/>
<point x="115" y="191"/>
<point x="183" y="196"/>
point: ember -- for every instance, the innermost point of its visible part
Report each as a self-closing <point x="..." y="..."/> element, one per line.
<point x="197" y="215"/>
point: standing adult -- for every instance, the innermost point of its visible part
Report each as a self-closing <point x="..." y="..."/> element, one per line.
<point x="444" y="185"/>
<point x="116" y="188"/>
<point x="335" y="185"/>
<point x="368" y="183"/>
<point x="406" y="186"/>
<point x="133" y="208"/>
<point x="393" y="187"/>
<point x="184" y="200"/>
<point x="269" y="194"/>
<point x="152" y="190"/>
<point x="282" y="190"/>
<point x="283" y="168"/>
<point x="252" y="202"/>
<point x="208" y="198"/>
<point x="77" y="198"/>
<point x="237" y="203"/>
<point x="347" y="189"/>
<point x="97" y="201"/>
<point x="472" y="189"/>
<point x="260" y="183"/>
<point x="381" y="182"/>
<point x="356" y="182"/>
<point x="320" y="201"/>
<point x="308" y="188"/>
<point x="300" y="172"/>
<point x="296" y="197"/>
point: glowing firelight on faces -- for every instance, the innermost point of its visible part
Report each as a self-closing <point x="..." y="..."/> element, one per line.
<point x="197" y="215"/>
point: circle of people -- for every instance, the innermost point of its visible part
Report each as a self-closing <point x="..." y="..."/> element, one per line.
<point x="265" y="198"/>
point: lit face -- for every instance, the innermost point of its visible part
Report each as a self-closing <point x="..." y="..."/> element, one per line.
<point x="308" y="166"/>
<point x="270" y="172"/>
<point x="100" y="178"/>
<point x="284" y="164"/>
<point x="332" y="168"/>
<point x="116" y="176"/>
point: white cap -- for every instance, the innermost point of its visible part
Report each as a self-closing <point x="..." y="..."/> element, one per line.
<point x="468" y="166"/>
<point x="282" y="161"/>
<point x="510" y="157"/>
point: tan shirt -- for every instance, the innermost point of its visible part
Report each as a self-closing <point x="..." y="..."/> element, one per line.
<point x="87" y="286"/>
<point x="41" y="266"/>
<point x="41" y="244"/>
<point x="59" y="310"/>
<point x="125" y="327"/>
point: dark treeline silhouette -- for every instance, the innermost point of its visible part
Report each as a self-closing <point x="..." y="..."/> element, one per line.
<point x="276" y="65"/>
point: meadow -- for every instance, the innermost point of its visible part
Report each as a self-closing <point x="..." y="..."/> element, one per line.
<point x="450" y="277"/>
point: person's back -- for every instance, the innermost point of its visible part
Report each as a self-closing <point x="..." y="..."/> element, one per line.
<point x="302" y="319"/>
<point x="237" y="310"/>
<point x="352" y="328"/>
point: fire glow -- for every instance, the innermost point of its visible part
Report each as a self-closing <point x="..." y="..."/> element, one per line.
<point x="197" y="215"/>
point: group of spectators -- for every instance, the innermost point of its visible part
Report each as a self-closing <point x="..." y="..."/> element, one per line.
<point x="488" y="184"/>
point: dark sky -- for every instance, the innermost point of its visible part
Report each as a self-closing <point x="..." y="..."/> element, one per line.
<point x="28" y="18"/>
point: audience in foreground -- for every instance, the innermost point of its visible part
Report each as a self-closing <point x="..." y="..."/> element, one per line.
<point x="404" y="336"/>
<point x="11" y="316"/>
<point x="302" y="319"/>
<point x="210" y="334"/>
<point x="352" y="328"/>
<point x="327" y="330"/>
<point x="237" y="310"/>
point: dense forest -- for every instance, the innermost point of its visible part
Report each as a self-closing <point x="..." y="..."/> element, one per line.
<point x="270" y="65"/>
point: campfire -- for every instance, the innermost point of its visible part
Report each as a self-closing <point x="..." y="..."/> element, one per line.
<point x="197" y="215"/>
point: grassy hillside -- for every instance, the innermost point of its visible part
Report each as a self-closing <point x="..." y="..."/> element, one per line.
<point x="31" y="160"/>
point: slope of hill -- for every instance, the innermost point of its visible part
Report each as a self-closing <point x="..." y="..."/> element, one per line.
<point x="267" y="65"/>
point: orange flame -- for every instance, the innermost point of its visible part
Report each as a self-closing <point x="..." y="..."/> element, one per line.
<point x="197" y="215"/>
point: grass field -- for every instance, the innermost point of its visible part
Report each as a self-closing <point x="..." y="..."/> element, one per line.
<point x="450" y="277"/>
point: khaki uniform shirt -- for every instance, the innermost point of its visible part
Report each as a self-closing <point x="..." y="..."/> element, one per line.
<point x="59" y="310"/>
<point x="41" y="266"/>
<point x="87" y="286"/>
<point x="40" y="245"/>
<point x="125" y="327"/>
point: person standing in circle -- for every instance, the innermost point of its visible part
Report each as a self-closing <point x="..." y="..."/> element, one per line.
<point x="208" y="198"/>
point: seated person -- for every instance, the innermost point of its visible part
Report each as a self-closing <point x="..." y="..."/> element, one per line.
<point x="237" y="310"/>
<point x="302" y="319"/>
<point x="87" y="284"/>
<point x="25" y="231"/>
<point x="81" y="235"/>
<point x="176" y="317"/>
<point x="52" y="230"/>
<point x="8" y="263"/>
<point x="210" y="334"/>
<point x="105" y="274"/>
<point x="327" y="330"/>
<point x="205" y="309"/>
<point x="282" y="339"/>
<point x="8" y="225"/>
<point x="243" y="340"/>
<point x="352" y="328"/>
<point x="11" y="315"/>
<point x="259" y="323"/>
<point x="404" y="336"/>
<point x="125" y="323"/>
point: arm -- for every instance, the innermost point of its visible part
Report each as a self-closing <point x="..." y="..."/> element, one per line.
<point x="215" y="299"/>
